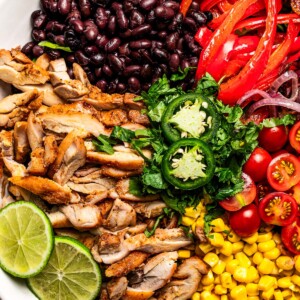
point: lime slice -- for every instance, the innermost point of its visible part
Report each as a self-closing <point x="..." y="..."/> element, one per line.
<point x="26" y="239"/>
<point x="70" y="274"/>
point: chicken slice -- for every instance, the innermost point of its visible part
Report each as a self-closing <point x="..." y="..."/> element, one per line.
<point x="22" y="147"/>
<point x="70" y="89"/>
<point x="136" y="116"/>
<point x="185" y="281"/>
<point x="35" y="132"/>
<point x="120" y="216"/>
<point x="58" y="65"/>
<point x="135" y="294"/>
<point x="37" y="166"/>
<point x="5" y="196"/>
<point x="130" y="101"/>
<point x="157" y="271"/>
<point x="82" y="217"/>
<point x="43" y="61"/>
<point x="118" y="173"/>
<point x="71" y="156"/>
<point x="51" y="149"/>
<point x="7" y="144"/>
<point x="58" y="78"/>
<point x="149" y="209"/>
<point x="58" y="220"/>
<point x="113" y="117"/>
<point x="15" y="168"/>
<point x="80" y="75"/>
<point x="47" y="189"/>
<point x="129" y="263"/>
<point x="116" y="288"/>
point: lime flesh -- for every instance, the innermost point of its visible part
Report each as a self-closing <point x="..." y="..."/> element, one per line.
<point x="71" y="273"/>
<point x="26" y="239"/>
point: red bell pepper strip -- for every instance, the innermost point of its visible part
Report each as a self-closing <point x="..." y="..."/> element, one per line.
<point x="225" y="5"/>
<point x="244" y="44"/>
<point x="233" y="67"/>
<point x="254" y="23"/>
<point x="280" y="54"/>
<point x="220" y="35"/>
<point x="237" y="86"/>
<point x="184" y="6"/>
<point x="265" y="83"/>
<point x="202" y="36"/>
<point x="208" y="4"/>
<point x="295" y="47"/>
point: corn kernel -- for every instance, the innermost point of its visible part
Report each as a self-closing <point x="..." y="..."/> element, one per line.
<point x="232" y="265"/>
<point x="266" y="282"/>
<point x="208" y="287"/>
<point x="208" y="278"/>
<point x="204" y="295"/>
<point x="226" y="279"/>
<point x="286" y="272"/>
<point x="184" y="253"/>
<point x="233" y="284"/>
<point x="267" y="295"/>
<point x="250" y="249"/>
<point x="252" y="289"/>
<point x="226" y="249"/>
<point x="253" y="275"/>
<point x="253" y="298"/>
<point x="240" y="274"/>
<point x="196" y="296"/>
<point x="224" y="297"/>
<point x="213" y="297"/>
<point x="297" y="262"/>
<point x="266" y="246"/>
<point x="219" y="268"/>
<point x="237" y="247"/>
<point x="226" y="259"/>
<point x="257" y="258"/>
<point x="285" y="262"/>
<point x="266" y="266"/>
<point x="277" y="238"/>
<point x="217" y="279"/>
<point x="272" y="254"/>
<point x="239" y="293"/>
<point x="251" y="239"/>
<point x="192" y="212"/>
<point x="206" y="247"/>
<point x="275" y="270"/>
<point x="233" y="237"/>
<point x="286" y="293"/>
<point x="217" y="225"/>
<point x="296" y="279"/>
<point x="216" y="239"/>
<point x="220" y="290"/>
<point x="278" y="295"/>
<point x="211" y="259"/>
<point x="264" y="237"/>
<point x="284" y="282"/>
<point x="243" y="260"/>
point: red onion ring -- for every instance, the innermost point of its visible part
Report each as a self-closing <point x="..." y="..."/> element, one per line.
<point x="249" y="94"/>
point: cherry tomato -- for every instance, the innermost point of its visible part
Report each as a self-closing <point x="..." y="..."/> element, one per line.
<point x="294" y="136"/>
<point x="257" y="164"/>
<point x="273" y="139"/>
<point x="283" y="172"/>
<point x="278" y="209"/>
<point x="245" y="197"/>
<point x="290" y="236"/>
<point x="263" y="189"/>
<point x="295" y="192"/>
<point x="275" y="154"/>
<point x="245" y="221"/>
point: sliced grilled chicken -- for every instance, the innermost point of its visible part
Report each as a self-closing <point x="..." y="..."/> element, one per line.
<point x="58" y="65"/>
<point x="43" y="61"/>
<point x="37" y="166"/>
<point x="7" y="144"/>
<point x="51" y="149"/>
<point x="59" y="220"/>
<point x="116" y="288"/>
<point x="70" y="89"/>
<point x="15" y="168"/>
<point x="118" y="173"/>
<point x="149" y="209"/>
<point x="135" y="294"/>
<point x="185" y="281"/>
<point x="21" y="143"/>
<point x="114" y="117"/>
<point x="136" y="116"/>
<point x="35" y="132"/>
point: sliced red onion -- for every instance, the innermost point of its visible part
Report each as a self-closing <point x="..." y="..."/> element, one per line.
<point x="275" y="102"/>
<point x="243" y="100"/>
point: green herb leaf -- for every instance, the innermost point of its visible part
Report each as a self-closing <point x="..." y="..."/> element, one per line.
<point x="104" y="144"/>
<point x="207" y="86"/>
<point x="152" y="231"/>
<point x="122" y="134"/>
<point x="51" y="45"/>
<point x="272" y="122"/>
<point x="181" y="74"/>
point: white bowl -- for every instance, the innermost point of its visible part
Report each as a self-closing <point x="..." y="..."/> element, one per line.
<point x="15" y="31"/>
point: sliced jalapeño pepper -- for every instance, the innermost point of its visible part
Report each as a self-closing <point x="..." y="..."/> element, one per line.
<point x="190" y="116"/>
<point x="188" y="164"/>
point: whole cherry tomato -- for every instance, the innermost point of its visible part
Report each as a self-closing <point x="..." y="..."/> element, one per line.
<point x="245" y="221"/>
<point x="290" y="236"/>
<point x="273" y="139"/>
<point x="257" y="164"/>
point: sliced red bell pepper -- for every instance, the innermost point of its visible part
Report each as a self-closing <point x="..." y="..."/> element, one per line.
<point x="233" y="67"/>
<point x="244" y="81"/>
<point x="203" y="36"/>
<point x="265" y="83"/>
<point x="254" y="23"/>
<point x="184" y="6"/>
<point x="244" y="44"/>
<point x="295" y="47"/>
<point x="208" y="4"/>
<point x="220" y="35"/>
<point x="225" y="5"/>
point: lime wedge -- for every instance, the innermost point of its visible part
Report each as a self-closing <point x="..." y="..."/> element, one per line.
<point x="26" y="239"/>
<point x="70" y="274"/>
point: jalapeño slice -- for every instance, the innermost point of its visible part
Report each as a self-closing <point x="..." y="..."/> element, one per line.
<point x="190" y="116"/>
<point x="188" y="164"/>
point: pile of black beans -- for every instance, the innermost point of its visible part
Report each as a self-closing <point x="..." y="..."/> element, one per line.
<point x="122" y="45"/>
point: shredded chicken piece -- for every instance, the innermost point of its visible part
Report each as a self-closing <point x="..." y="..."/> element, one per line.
<point x="116" y="288"/>
<point x="37" y="164"/>
<point x="21" y="143"/>
<point x="114" y="117"/>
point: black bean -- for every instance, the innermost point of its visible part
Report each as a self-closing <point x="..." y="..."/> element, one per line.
<point x="81" y="58"/>
<point x="70" y="59"/>
<point x="148" y="4"/>
<point x="190" y="24"/>
<point x="101" y="18"/>
<point x="91" y="50"/>
<point x="163" y="12"/>
<point x="160" y="54"/>
<point x="146" y="56"/>
<point x="194" y="5"/>
<point x="101" y="41"/>
<point x="38" y="19"/>
<point x="161" y="25"/>
<point x="116" y="6"/>
<point x="157" y="44"/>
<point x="77" y="25"/>
<point x="132" y="70"/>
<point x="97" y="59"/>
<point x="128" y="6"/>
<point x="38" y="35"/>
<point x="90" y="32"/>
<point x="176" y="22"/>
<point x="141" y="30"/>
<point x="112" y="87"/>
<point x="53" y="54"/>
<point x="180" y="44"/>
<point x="184" y="64"/>
<point x="162" y="34"/>
<point x="136" y="19"/>
<point x="102" y="85"/>
<point x="59" y="39"/>
<point x="127" y="60"/>
<point x="72" y="40"/>
<point x="172" y="40"/>
<point x="112" y="25"/>
<point x="146" y="71"/>
<point x="140" y="44"/>
<point x="122" y="19"/>
<point x="70" y="72"/>
<point x="199" y="17"/>
<point x="116" y="63"/>
<point x="124" y="49"/>
<point x="107" y="70"/>
<point x="151" y="16"/>
<point x="112" y="45"/>
<point x="146" y="86"/>
<point x="85" y="7"/>
<point x="55" y="27"/>
<point x="195" y="48"/>
<point x="174" y="62"/>
<point x="37" y="51"/>
<point x="98" y="72"/>
<point x="91" y="77"/>
<point x="51" y="37"/>
<point x="209" y="16"/>
<point x="188" y="38"/>
<point x="50" y="6"/>
<point x="121" y="87"/>
<point x="136" y="56"/>
<point x="64" y="6"/>
<point x="126" y="34"/>
<point x="194" y="61"/>
<point x="171" y="4"/>
<point x="134" y="85"/>
<point x="27" y="48"/>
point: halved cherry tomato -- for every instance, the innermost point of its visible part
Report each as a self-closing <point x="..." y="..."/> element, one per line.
<point x="290" y="236"/>
<point x="284" y="172"/>
<point x="245" y="197"/>
<point x="257" y="164"/>
<point x="278" y="209"/>
<point x="274" y="138"/>
<point x="294" y="136"/>
<point x="245" y="221"/>
<point x="295" y="192"/>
